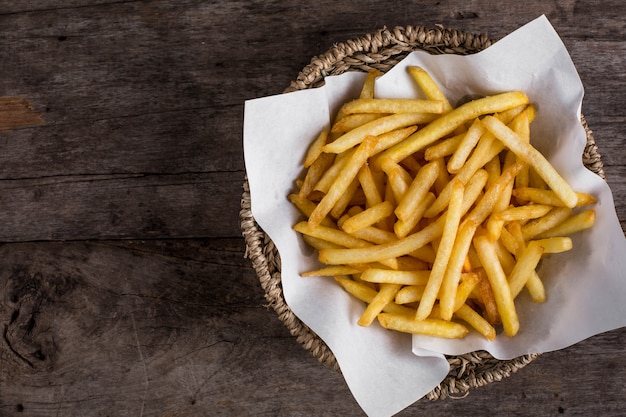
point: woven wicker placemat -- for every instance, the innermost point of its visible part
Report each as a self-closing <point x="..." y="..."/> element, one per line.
<point x="382" y="50"/>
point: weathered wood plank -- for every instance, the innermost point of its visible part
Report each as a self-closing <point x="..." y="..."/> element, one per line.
<point x="121" y="206"/>
<point x="131" y="329"/>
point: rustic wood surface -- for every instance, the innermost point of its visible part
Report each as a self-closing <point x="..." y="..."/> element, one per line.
<point x="124" y="290"/>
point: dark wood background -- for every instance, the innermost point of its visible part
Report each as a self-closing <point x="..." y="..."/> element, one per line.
<point x="124" y="290"/>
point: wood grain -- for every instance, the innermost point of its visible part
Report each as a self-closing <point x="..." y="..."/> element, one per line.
<point x="124" y="289"/>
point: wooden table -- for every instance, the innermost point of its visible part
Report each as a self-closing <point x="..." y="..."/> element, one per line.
<point x="124" y="290"/>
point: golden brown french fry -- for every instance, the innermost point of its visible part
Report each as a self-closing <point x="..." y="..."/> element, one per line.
<point x="454" y="268"/>
<point x="387" y="276"/>
<point x="332" y="235"/>
<point x="315" y="149"/>
<point x="524" y="268"/>
<point x="451" y="225"/>
<point x="331" y="174"/>
<point x="549" y="197"/>
<point x="416" y="192"/>
<point x="374" y="128"/>
<point x="374" y="235"/>
<point x="487" y="297"/>
<point x="546" y="222"/>
<point x="368" y="217"/>
<point x="403" y="228"/>
<point x="348" y="197"/>
<point x="410" y="294"/>
<point x="390" y="250"/>
<point x="366" y="294"/>
<point x="384" y="296"/>
<point x="465" y="147"/>
<point x="533" y="158"/>
<point x="331" y="271"/>
<point x="554" y="244"/>
<point x="443" y="148"/>
<point x="499" y="284"/>
<point x="471" y="317"/>
<point x="369" y="186"/>
<point x="306" y="207"/>
<point x="352" y="121"/>
<point x="315" y="172"/>
<point x="574" y="224"/>
<point x="431" y="327"/>
<point x="367" y="91"/>
<point x="393" y="105"/>
<point x="428" y="86"/>
<point x="467" y="284"/>
<point x="319" y="244"/>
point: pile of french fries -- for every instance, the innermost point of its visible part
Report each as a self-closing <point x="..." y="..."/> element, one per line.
<point x="436" y="217"/>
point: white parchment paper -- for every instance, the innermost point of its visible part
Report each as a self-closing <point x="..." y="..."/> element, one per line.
<point x="586" y="287"/>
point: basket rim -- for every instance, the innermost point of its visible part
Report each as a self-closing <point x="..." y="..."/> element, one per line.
<point x="380" y="50"/>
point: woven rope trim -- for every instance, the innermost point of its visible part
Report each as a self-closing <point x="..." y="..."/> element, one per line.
<point x="382" y="50"/>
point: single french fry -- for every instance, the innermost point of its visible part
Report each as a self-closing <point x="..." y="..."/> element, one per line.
<point x="428" y="86"/>
<point x="386" y="276"/>
<point x="306" y="207"/>
<point x="387" y="140"/>
<point x="374" y="128"/>
<point x="574" y="224"/>
<point x="487" y="297"/>
<point x="393" y="105"/>
<point x="533" y="158"/>
<point x="368" y="217"/>
<point x="451" y="225"/>
<point x="546" y="222"/>
<point x="352" y="121"/>
<point x="319" y="244"/>
<point x="471" y="317"/>
<point x="331" y="271"/>
<point x="443" y="148"/>
<point x="523" y="212"/>
<point x="315" y="172"/>
<point x="402" y="228"/>
<point x="333" y="171"/>
<point x="390" y="250"/>
<point x="525" y="266"/>
<point x="347" y="198"/>
<point x="374" y="235"/>
<point x="416" y="192"/>
<point x="410" y="294"/>
<point x="465" y="147"/>
<point x="366" y="294"/>
<point x="454" y="268"/>
<point x="468" y="281"/>
<point x="497" y="278"/>
<point x="369" y="186"/>
<point x="554" y="244"/>
<point x="367" y="91"/>
<point x="384" y="296"/>
<point x="315" y="149"/>
<point x="431" y="327"/>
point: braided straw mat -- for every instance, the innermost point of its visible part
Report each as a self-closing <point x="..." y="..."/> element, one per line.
<point x="382" y="50"/>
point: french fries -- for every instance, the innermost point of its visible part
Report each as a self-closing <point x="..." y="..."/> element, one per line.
<point x="436" y="217"/>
